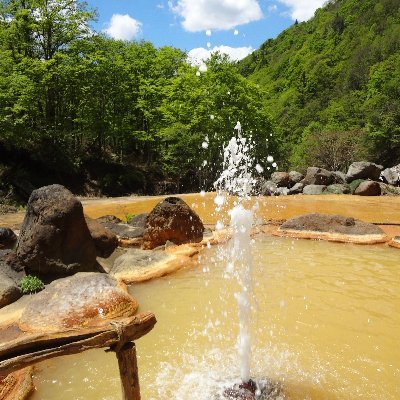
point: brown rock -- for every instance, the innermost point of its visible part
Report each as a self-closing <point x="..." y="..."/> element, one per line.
<point x="54" y="238"/>
<point x="330" y="223"/>
<point x="368" y="188"/>
<point x="104" y="240"/>
<point x="85" y="299"/>
<point x="173" y="220"/>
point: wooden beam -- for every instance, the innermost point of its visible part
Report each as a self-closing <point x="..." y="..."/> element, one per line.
<point x="128" y="371"/>
<point x="30" y="349"/>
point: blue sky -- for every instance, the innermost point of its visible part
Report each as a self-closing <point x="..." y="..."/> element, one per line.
<point x="235" y="27"/>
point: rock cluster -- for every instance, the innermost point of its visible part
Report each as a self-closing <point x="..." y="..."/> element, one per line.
<point x="55" y="240"/>
<point x="363" y="178"/>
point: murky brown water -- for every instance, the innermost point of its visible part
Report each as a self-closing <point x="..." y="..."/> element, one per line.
<point x="382" y="209"/>
<point x="326" y="326"/>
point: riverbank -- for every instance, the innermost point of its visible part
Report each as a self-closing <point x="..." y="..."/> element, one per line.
<point x="378" y="210"/>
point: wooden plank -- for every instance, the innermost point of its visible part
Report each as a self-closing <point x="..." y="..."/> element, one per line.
<point x="128" y="371"/>
<point x="33" y="348"/>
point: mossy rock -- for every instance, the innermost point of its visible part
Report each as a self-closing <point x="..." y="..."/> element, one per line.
<point x="337" y="188"/>
<point x="354" y="185"/>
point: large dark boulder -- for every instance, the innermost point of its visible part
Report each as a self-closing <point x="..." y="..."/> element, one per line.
<point x="104" y="240"/>
<point x="368" y="188"/>
<point x="172" y="219"/>
<point x="54" y="238"/>
<point x="363" y="170"/>
<point x="318" y="176"/>
<point x="7" y="238"/>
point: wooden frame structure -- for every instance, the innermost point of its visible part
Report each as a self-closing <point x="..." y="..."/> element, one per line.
<point x="118" y="335"/>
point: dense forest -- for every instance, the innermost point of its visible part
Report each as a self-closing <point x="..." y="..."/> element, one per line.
<point x="111" y="117"/>
<point x="333" y="84"/>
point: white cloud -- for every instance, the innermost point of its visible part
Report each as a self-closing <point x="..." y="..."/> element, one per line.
<point x="302" y="10"/>
<point x="123" y="27"/>
<point x="215" y="14"/>
<point x="272" y="8"/>
<point x="198" y="55"/>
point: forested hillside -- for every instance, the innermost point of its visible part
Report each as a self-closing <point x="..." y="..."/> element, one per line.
<point x="333" y="84"/>
<point x="111" y="117"/>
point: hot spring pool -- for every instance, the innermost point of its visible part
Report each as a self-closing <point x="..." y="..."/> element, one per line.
<point x="326" y="326"/>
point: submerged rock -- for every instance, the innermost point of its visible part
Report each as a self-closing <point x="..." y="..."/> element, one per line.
<point x="54" y="238"/>
<point x="85" y="299"/>
<point x="172" y="219"/>
<point x="331" y="223"/>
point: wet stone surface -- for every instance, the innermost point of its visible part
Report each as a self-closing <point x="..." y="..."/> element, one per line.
<point x="264" y="389"/>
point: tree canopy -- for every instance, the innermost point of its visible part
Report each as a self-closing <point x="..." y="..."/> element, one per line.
<point x="338" y="74"/>
<point x="84" y="106"/>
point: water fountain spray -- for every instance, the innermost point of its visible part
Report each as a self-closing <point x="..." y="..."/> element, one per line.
<point x="236" y="179"/>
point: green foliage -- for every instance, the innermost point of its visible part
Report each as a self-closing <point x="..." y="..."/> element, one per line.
<point x="339" y="70"/>
<point x="129" y="217"/>
<point x="31" y="284"/>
